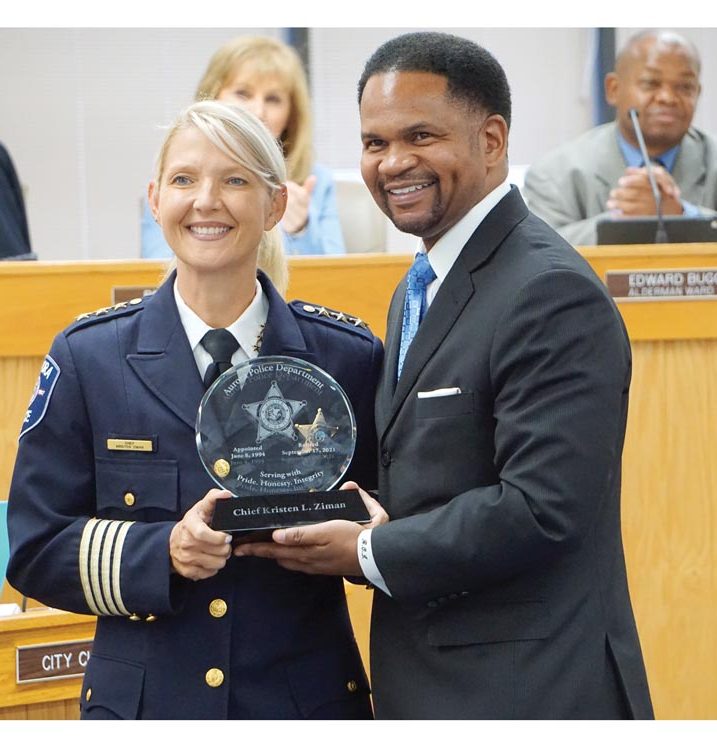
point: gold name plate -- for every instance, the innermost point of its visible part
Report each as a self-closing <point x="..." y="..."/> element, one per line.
<point x="129" y="444"/>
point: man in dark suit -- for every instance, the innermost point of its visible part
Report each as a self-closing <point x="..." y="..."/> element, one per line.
<point x="501" y="589"/>
<point x="14" y="234"/>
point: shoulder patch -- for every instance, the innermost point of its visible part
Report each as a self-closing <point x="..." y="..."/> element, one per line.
<point x="46" y="380"/>
<point x="331" y="316"/>
<point x="119" y="309"/>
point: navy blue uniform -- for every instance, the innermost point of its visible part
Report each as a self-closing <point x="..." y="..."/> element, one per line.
<point x="89" y="526"/>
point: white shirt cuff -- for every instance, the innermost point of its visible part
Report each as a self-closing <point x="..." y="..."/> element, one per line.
<point x="367" y="562"/>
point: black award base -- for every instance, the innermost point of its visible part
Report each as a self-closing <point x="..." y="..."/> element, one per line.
<point x="253" y="518"/>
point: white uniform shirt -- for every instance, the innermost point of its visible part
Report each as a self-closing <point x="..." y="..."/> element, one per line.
<point x="247" y="329"/>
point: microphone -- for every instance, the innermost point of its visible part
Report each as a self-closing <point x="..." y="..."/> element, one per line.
<point x="660" y="232"/>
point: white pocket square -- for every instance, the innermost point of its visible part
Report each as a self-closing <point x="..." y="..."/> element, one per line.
<point x="447" y="392"/>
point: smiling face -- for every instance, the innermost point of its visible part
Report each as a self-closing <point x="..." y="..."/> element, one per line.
<point x="265" y="96"/>
<point x="213" y="212"/>
<point x="427" y="158"/>
<point x="661" y="80"/>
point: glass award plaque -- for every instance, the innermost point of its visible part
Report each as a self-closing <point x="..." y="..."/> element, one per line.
<point x="278" y="433"/>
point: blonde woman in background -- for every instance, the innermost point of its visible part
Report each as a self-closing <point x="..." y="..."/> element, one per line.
<point x="267" y="77"/>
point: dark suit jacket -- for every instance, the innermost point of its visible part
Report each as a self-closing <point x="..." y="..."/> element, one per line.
<point x="503" y="554"/>
<point x="569" y="187"/>
<point x="14" y="234"/>
<point x="281" y="640"/>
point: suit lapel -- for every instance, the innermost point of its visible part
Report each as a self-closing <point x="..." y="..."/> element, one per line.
<point x="690" y="169"/>
<point x="609" y="163"/>
<point x="445" y="310"/>
<point x="164" y="360"/>
<point x="447" y="306"/>
<point x="387" y="382"/>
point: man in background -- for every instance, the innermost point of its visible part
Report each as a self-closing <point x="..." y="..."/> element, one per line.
<point x="14" y="233"/>
<point x="601" y="174"/>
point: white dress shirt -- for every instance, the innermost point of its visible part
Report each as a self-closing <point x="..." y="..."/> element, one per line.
<point x="441" y="258"/>
<point x="247" y="329"/>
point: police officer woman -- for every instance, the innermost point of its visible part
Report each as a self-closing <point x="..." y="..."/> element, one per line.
<point x="110" y="506"/>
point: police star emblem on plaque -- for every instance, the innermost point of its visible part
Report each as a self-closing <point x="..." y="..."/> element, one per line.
<point x="275" y="414"/>
<point x="316" y="433"/>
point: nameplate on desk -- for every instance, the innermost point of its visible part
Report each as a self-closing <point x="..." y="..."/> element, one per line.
<point x="681" y="284"/>
<point x="52" y="661"/>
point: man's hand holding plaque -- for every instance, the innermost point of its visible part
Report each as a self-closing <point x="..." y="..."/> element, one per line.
<point x="279" y="434"/>
<point x="328" y="548"/>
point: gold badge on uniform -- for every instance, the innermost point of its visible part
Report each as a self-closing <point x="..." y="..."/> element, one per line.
<point x="221" y="468"/>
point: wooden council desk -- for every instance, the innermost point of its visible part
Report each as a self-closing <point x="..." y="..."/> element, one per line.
<point x="669" y="497"/>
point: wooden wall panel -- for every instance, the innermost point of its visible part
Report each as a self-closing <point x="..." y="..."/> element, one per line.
<point x="669" y="507"/>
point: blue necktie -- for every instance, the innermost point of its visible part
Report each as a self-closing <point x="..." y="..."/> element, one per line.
<point x="419" y="276"/>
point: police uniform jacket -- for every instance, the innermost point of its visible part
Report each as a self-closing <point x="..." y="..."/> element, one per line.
<point x="89" y="525"/>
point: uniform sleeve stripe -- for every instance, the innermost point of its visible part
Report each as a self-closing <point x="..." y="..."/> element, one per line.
<point x="95" y="573"/>
<point x="106" y="574"/>
<point x="117" y="565"/>
<point x="84" y="565"/>
<point x="100" y="561"/>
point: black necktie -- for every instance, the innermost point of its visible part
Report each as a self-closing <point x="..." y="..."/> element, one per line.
<point x="221" y="345"/>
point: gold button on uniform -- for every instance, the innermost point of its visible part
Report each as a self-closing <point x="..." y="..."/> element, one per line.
<point x="129" y="499"/>
<point x="351" y="686"/>
<point x="218" y="608"/>
<point x="214" y="677"/>
<point x="88" y="694"/>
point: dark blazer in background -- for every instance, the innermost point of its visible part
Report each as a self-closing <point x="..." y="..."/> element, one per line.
<point x="569" y="187"/>
<point x="503" y="554"/>
<point x="14" y="233"/>
<point x="282" y="640"/>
